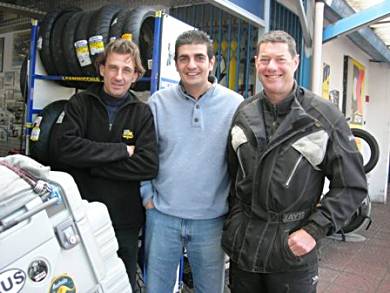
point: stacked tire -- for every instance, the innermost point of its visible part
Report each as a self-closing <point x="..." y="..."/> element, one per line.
<point x="70" y="40"/>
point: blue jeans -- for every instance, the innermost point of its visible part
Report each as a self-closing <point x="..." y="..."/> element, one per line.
<point x="165" y="238"/>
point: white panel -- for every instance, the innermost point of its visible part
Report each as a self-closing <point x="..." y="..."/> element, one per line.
<point x="376" y="116"/>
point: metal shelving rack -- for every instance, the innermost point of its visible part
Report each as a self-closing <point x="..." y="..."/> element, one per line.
<point x="33" y="76"/>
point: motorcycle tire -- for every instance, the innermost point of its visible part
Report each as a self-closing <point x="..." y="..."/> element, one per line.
<point x="39" y="149"/>
<point x="23" y="78"/>
<point x="100" y="25"/>
<point x="56" y="48"/>
<point x="374" y="147"/>
<point x="45" y="35"/>
<point x="118" y="23"/>
<point x="140" y="23"/>
<point x="81" y="33"/>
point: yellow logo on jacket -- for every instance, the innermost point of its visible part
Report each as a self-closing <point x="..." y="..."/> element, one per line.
<point x="127" y="134"/>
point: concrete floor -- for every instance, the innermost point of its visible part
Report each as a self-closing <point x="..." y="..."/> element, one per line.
<point x="357" y="267"/>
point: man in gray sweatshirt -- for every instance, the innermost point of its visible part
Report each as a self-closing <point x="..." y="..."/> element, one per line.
<point x="187" y="202"/>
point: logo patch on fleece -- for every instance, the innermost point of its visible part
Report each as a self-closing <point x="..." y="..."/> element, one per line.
<point x="127" y="134"/>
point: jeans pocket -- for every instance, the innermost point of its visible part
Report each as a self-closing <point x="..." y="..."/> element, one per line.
<point x="150" y="209"/>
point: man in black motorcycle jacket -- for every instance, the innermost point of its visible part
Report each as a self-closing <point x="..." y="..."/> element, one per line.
<point x="283" y="143"/>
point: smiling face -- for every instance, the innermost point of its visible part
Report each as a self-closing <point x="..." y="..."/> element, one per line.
<point x="194" y="66"/>
<point x="275" y="69"/>
<point x="118" y="73"/>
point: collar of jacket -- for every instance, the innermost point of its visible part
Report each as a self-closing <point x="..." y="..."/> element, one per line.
<point x="296" y="121"/>
<point x="284" y="106"/>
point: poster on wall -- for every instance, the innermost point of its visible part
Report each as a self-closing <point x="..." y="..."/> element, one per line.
<point x="354" y="82"/>
<point x="325" y="80"/>
<point x="21" y="46"/>
<point x="9" y="80"/>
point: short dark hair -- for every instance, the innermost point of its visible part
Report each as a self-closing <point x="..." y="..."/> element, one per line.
<point x="278" y="37"/>
<point x="194" y="37"/>
<point x="122" y="46"/>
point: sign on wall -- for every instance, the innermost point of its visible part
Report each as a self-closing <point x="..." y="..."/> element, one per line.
<point x="325" y="80"/>
<point x="327" y="92"/>
<point x="354" y="82"/>
<point x="21" y="45"/>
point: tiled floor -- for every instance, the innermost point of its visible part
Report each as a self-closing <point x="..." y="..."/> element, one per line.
<point x="358" y="267"/>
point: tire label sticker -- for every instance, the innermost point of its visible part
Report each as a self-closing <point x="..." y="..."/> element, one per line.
<point x="82" y="52"/>
<point x="96" y="45"/>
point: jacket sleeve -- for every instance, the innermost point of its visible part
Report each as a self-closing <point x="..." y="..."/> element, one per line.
<point x="143" y="164"/>
<point x="147" y="191"/>
<point x="71" y="148"/>
<point x="343" y="166"/>
<point x="233" y="165"/>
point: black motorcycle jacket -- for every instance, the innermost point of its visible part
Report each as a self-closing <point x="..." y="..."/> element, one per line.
<point x="277" y="182"/>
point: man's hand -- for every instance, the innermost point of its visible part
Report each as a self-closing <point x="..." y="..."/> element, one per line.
<point x="130" y="150"/>
<point x="149" y="204"/>
<point x="301" y="242"/>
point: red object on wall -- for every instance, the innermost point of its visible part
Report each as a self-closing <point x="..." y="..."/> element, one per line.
<point x="367" y="99"/>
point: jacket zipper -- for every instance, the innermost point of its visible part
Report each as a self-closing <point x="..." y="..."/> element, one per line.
<point x="119" y="109"/>
<point x="293" y="171"/>
<point x="269" y="149"/>
<point x="116" y="116"/>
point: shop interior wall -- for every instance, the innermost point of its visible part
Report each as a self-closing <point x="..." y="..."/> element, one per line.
<point x="376" y="120"/>
<point x="378" y="123"/>
<point x="11" y="101"/>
